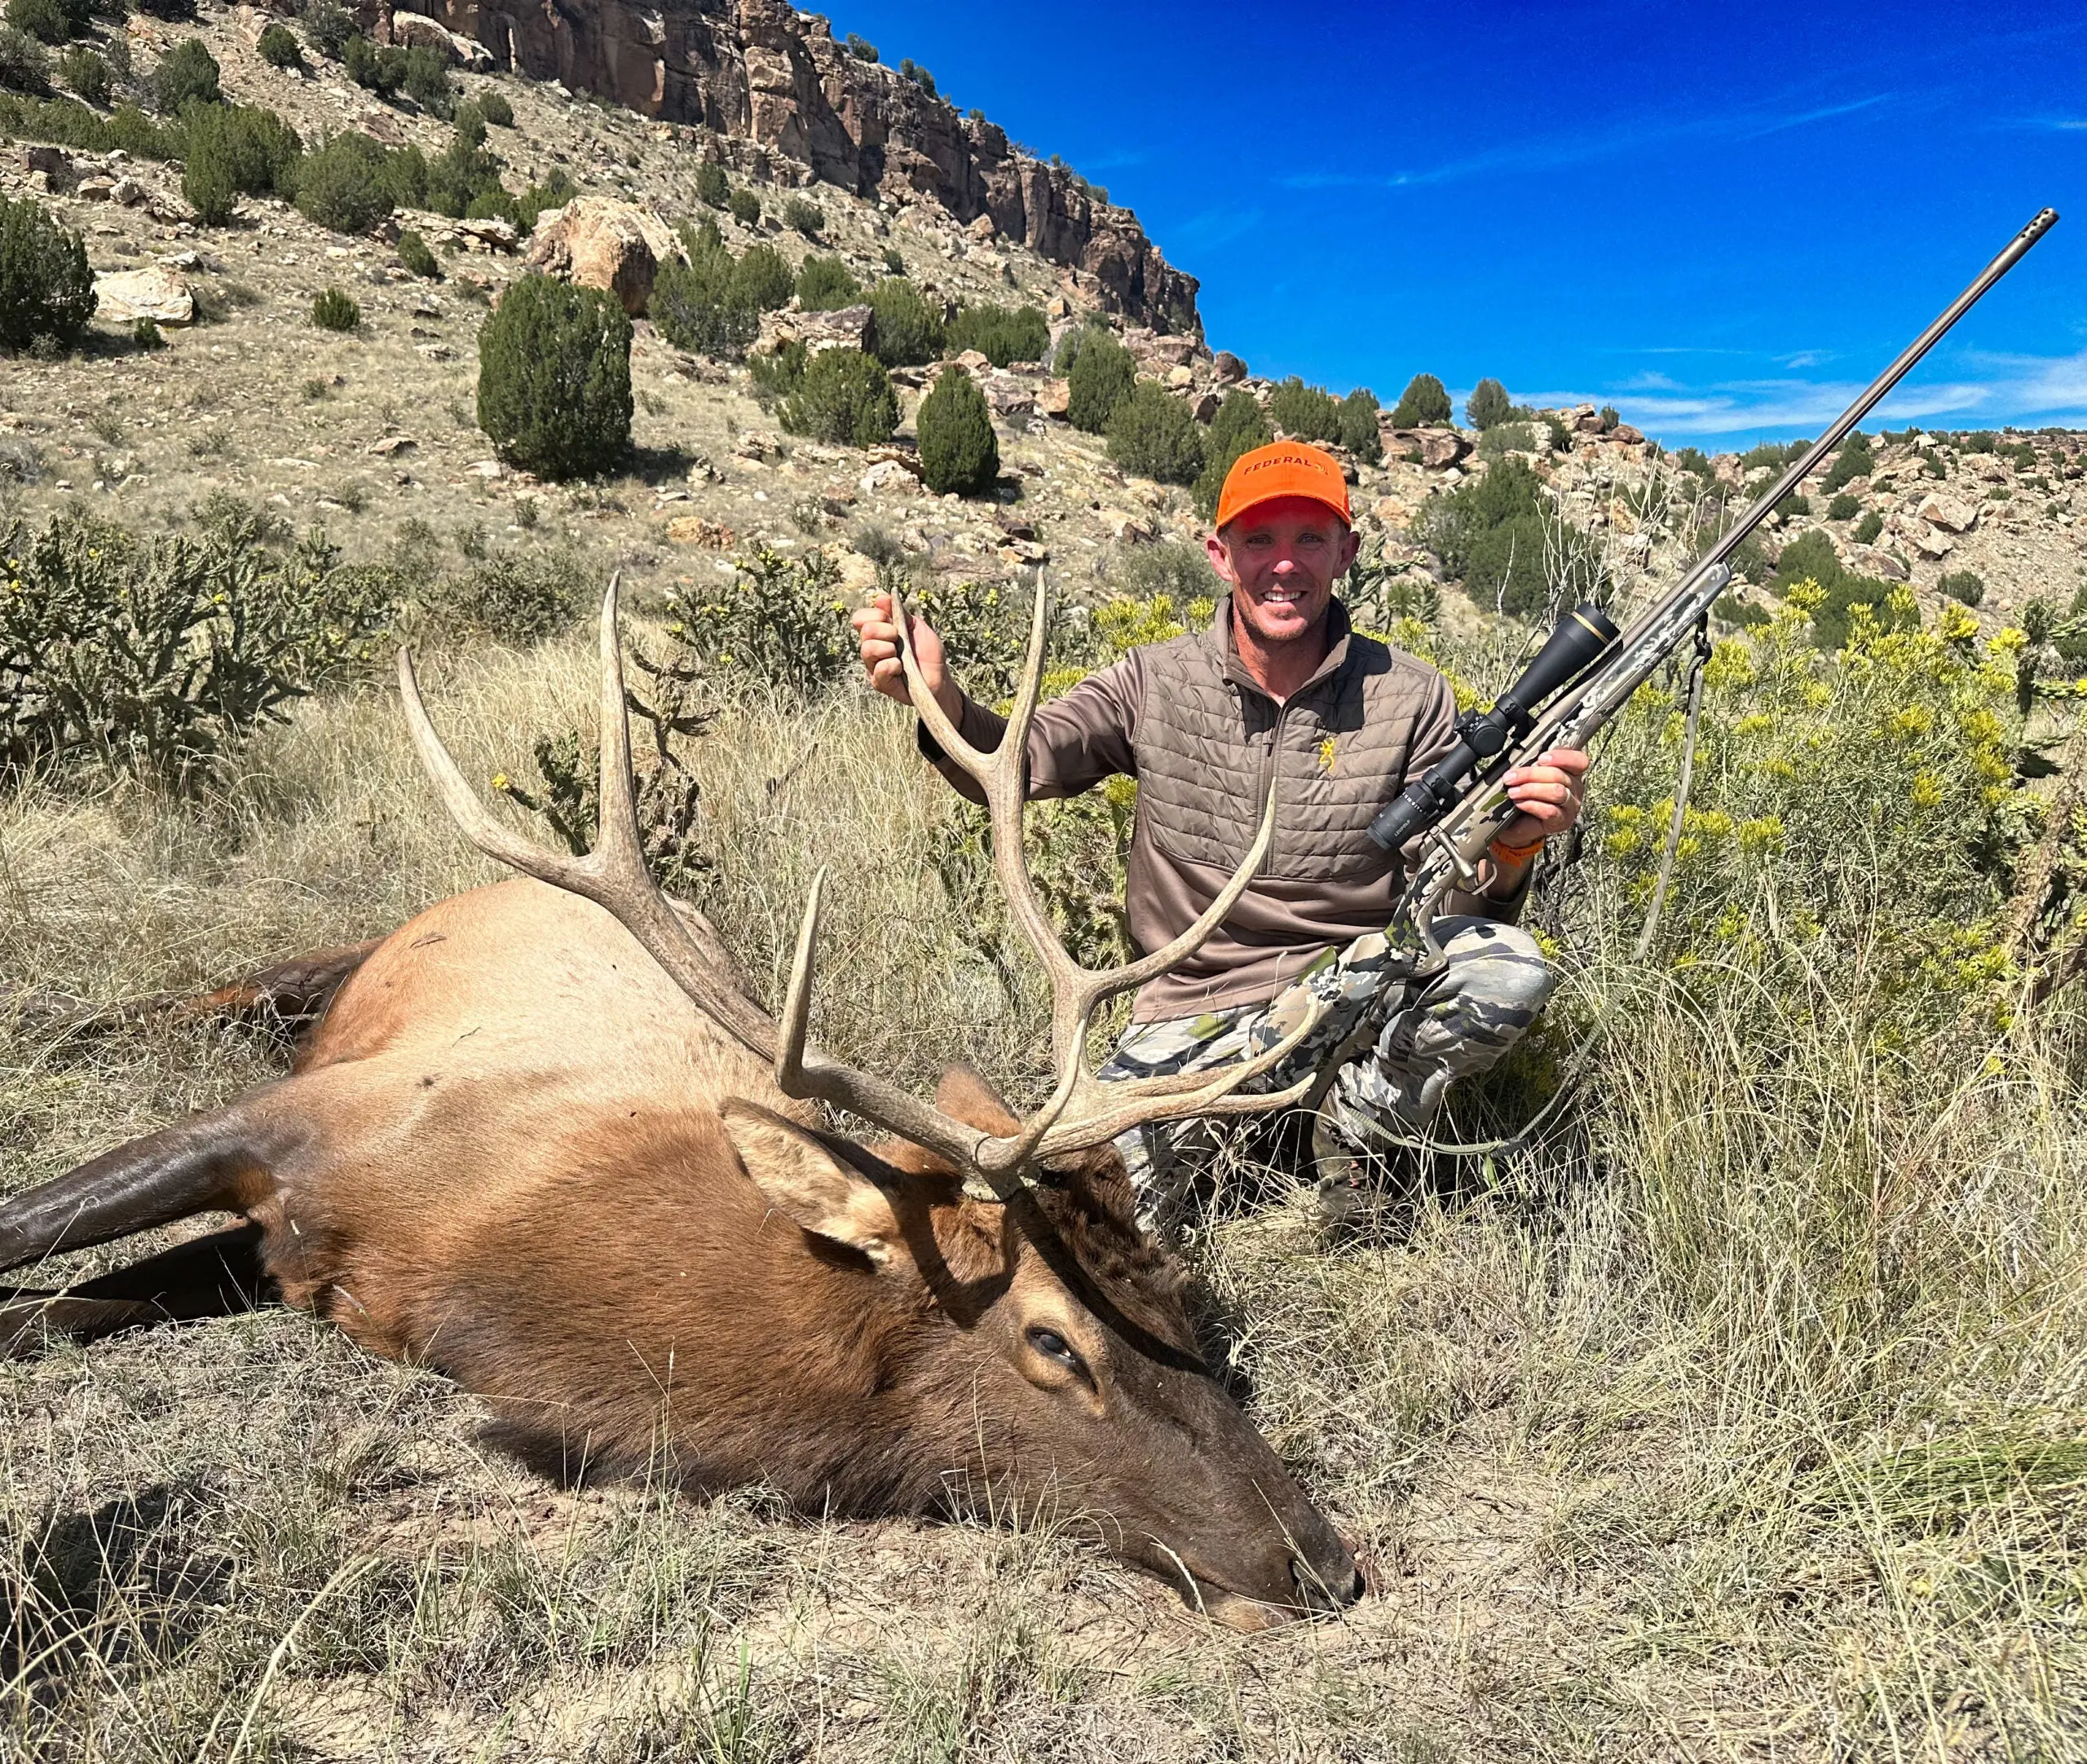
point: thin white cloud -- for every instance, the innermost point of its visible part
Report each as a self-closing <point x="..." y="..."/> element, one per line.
<point x="2016" y="389"/>
<point x="1556" y="152"/>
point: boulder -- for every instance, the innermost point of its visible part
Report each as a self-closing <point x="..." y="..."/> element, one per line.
<point x="1205" y="407"/>
<point x="492" y="233"/>
<point x="1054" y="397"/>
<point x="1008" y="396"/>
<point x="693" y="530"/>
<point x="126" y="191"/>
<point x="598" y="242"/>
<point x="850" y="328"/>
<point x="1437" y="449"/>
<point x="1227" y="367"/>
<point x="1948" y="514"/>
<point x="94" y="189"/>
<point x="52" y="161"/>
<point x="983" y="227"/>
<point x="414" y="30"/>
<point x="123" y="297"/>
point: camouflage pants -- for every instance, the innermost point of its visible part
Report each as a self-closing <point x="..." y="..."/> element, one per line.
<point x="1459" y="1021"/>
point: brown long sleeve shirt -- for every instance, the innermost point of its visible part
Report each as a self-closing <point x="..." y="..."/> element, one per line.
<point x="1205" y="743"/>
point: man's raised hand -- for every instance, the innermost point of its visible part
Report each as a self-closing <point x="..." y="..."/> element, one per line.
<point x="876" y="630"/>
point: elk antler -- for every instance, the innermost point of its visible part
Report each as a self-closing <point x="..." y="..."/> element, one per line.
<point x="1081" y="1112"/>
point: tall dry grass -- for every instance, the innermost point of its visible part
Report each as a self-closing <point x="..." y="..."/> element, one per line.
<point x="1741" y="1417"/>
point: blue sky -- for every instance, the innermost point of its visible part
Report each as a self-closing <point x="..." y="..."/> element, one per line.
<point x="1723" y="220"/>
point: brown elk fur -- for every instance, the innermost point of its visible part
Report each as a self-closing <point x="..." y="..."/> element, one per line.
<point x="514" y="1150"/>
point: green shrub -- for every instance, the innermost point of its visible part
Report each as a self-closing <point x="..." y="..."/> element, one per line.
<point x="25" y="67"/>
<point x="1151" y="433"/>
<point x="804" y="216"/>
<point x="234" y="151"/>
<point x="825" y="285"/>
<point x="746" y="208"/>
<point x="1868" y="529"/>
<point x="460" y="180"/>
<point x="1103" y="372"/>
<point x="1797" y="503"/>
<point x="145" y="334"/>
<point x="711" y="185"/>
<point x="327" y="27"/>
<point x="334" y="310"/>
<point x="700" y="305"/>
<point x="426" y="81"/>
<point x="779" y="374"/>
<point x="1507" y="437"/>
<point x="341" y="185"/>
<point x="1001" y="334"/>
<point x="515" y="599"/>
<point x="1239" y="426"/>
<point x="187" y="71"/>
<point x="1774" y="455"/>
<point x="554" y="378"/>
<point x="1843" y="507"/>
<point x="1487" y="404"/>
<point x="1746" y="614"/>
<point x="469" y="123"/>
<point x="494" y="107"/>
<point x="86" y="73"/>
<point x="279" y="48"/>
<point x="159" y="656"/>
<point x="414" y="254"/>
<point x="1810" y="559"/>
<point x="781" y="625"/>
<point x="1499" y="535"/>
<point x="1359" y="431"/>
<point x="47" y="289"/>
<point x="909" y="331"/>
<point x="845" y="398"/>
<point x="1424" y="404"/>
<point x="379" y="68"/>
<point x="1966" y="585"/>
<point x="919" y="76"/>
<point x="892" y="261"/>
<point x="1854" y="459"/>
<point x="959" y="451"/>
<point x="764" y="279"/>
<point x="48" y="21"/>
<point x="860" y="48"/>
<point x="1304" y="412"/>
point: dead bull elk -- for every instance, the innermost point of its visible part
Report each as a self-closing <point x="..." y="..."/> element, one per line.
<point x="541" y="1141"/>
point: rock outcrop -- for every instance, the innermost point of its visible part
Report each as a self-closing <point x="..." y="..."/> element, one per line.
<point x="599" y="242"/>
<point x="761" y="72"/>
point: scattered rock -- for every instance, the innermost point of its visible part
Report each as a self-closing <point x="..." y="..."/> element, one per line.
<point x="127" y="192"/>
<point x="756" y="445"/>
<point x="850" y="328"/>
<point x="887" y="474"/>
<point x="1948" y="514"/>
<point x="693" y="530"/>
<point x="492" y="233"/>
<point x="598" y="242"/>
<point x="1054" y="397"/>
<point x="392" y="443"/>
<point x="1127" y="528"/>
<point x="415" y="30"/>
<point x="94" y="189"/>
<point x="1227" y="367"/>
<point x="123" y="297"/>
<point x="53" y="162"/>
<point x="1009" y="396"/>
<point x="1437" y="449"/>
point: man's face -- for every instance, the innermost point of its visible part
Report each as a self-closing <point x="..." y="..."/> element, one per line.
<point x="1282" y="558"/>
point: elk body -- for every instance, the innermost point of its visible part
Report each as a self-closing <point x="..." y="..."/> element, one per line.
<point x="544" y="1143"/>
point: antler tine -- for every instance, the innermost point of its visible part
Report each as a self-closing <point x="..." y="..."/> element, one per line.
<point x="1135" y="1102"/>
<point x="619" y="845"/>
<point x="614" y="875"/>
<point x="802" y="1072"/>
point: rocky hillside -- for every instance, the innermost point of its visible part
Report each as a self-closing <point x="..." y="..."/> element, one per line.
<point x="373" y="433"/>
<point x="788" y="102"/>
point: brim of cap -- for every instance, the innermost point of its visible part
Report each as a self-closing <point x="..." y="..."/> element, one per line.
<point x="1334" y="508"/>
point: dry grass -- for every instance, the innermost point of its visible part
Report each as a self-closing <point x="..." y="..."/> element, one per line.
<point x="1745" y="1421"/>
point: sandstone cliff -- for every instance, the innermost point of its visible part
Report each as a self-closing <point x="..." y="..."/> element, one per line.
<point x="761" y="72"/>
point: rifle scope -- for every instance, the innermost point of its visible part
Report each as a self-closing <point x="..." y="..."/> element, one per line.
<point x="1582" y="638"/>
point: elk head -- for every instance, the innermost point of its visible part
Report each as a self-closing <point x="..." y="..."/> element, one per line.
<point x="1065" y="1371"/>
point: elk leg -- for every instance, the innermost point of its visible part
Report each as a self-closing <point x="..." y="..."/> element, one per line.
<point x="213" y="1276"/>
<point x="214" y="1162"/>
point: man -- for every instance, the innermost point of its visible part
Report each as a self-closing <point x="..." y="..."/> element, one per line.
<point x="1279" y="689"/>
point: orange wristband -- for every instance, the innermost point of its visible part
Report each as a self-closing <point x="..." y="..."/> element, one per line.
<point x="1515" y="855"/>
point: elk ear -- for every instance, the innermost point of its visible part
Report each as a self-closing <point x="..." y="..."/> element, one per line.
<point x="805" y="1181"/>
<point x="963" y="1096"/>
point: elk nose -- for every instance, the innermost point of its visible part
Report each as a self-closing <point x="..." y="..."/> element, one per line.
<point x="1325" y="1594"/>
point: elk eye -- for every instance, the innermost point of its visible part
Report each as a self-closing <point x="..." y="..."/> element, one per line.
<point x="1054" y="1346"/>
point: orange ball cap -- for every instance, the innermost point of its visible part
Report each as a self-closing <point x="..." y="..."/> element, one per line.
<point x="1282" y="469"/>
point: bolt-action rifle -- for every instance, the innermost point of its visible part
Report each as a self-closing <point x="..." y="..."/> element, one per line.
<point x="1588" y="669"/>
<point x="1584" y="674"/>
